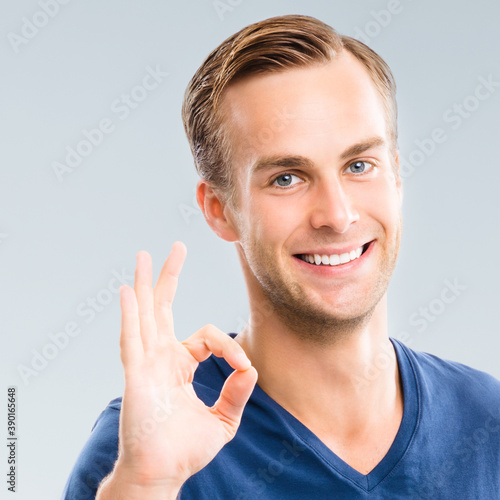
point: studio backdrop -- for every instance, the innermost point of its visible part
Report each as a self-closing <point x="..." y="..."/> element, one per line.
<point x="95" y="166"/>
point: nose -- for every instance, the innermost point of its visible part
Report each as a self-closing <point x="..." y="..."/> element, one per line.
<point x="333" y="207"/>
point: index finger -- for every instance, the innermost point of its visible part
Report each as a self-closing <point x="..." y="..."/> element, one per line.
<point x="165" y="289"/>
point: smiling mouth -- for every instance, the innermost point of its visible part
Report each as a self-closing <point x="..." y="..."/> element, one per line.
<point x="334" y="259"/>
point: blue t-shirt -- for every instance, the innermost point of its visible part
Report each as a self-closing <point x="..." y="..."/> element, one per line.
<point x="447" y="446"/>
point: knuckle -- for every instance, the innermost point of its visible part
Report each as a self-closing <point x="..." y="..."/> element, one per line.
<point x="146" y="311"/>
<point x="162" y="304"/>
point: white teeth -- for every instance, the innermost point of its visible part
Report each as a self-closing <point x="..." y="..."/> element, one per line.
<point x="332" y="260"/>
<point x="344" y="258"/>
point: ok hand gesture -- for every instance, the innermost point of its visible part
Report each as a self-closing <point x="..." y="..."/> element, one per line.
<point x="167" y="433"/>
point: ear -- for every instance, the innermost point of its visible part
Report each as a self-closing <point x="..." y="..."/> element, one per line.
<point x="217" y="215"/>
<point x="399" y="182"/>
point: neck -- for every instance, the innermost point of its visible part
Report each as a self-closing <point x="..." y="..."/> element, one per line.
<point x="346" y="387"/>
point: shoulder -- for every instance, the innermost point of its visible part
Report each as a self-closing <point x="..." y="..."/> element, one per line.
<point x="98" y="455"/>
<point x="444" y="376"/>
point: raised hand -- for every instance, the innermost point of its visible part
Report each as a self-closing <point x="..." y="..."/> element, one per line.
<point x="166" y="432"/>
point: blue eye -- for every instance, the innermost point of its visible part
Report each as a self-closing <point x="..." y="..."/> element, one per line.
<point x="360" y="167"/>
<point x="286" y="180"/>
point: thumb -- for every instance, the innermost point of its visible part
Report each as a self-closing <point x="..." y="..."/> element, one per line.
<point x="233" y="397"/>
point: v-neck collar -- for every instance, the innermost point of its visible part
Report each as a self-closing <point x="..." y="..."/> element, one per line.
<point x="399" y="447"/>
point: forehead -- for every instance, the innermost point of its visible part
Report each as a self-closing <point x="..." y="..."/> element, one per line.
<point x="319" y="110"/>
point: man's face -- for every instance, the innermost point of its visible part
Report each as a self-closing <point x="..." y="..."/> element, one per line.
<point x="312" y="193"/>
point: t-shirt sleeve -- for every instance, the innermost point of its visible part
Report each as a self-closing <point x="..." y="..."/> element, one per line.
<point x="97" y="458"/>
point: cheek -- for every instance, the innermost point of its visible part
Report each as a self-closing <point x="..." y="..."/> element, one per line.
<point x="272" y="220"/>
<point x="382" y="204"/>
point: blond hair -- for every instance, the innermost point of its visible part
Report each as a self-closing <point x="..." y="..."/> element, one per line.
<point x="271" y="45"/>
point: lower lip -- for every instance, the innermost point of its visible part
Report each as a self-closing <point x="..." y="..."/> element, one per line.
<point x="340" y="269"/>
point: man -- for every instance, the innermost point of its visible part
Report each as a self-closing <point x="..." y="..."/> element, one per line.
<point x="293" y="131"/>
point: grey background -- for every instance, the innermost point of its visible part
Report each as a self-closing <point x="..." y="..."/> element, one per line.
<point x="61" y="241"/>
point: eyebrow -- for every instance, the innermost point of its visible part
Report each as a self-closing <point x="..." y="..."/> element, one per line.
<point x="294" y="161"/>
